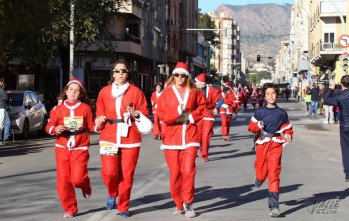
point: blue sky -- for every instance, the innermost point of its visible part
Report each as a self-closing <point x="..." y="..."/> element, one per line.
<point x="210" y="5"/>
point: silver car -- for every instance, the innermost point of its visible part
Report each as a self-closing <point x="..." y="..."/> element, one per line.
<point x="27" y="112"/>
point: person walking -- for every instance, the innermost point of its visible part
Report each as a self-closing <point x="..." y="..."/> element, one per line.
<point x="3" y="100"/>
<point x="342" y="100"/>
<point x="154" y="103"/>
<point x="226" y="109"/>
<point x="181" y="107"/>
<point x="274" y="128"/>
<point x="315" y="98"/>
<point x="213" y="101"/>
<point x="328" y="109"/>
<point x="70" y="122"/>
<point x="119" y="108"/>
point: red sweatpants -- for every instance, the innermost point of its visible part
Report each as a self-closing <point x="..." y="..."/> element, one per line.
<point x="225" y="119"/>
<point x="206" y="130"/>
<point x="268" y="164"/>
<point x="71" y="173"/>
<point x="117" y="174"/>
<point x="156" y="129"/>
<point x="181" y="164"/>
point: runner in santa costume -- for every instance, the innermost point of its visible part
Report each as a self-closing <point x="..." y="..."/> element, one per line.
<point x="226" y="110"/>
<point x="213" y="97"/>
<point x="181" y="107"/>
<point x="275" y="131"/>
<point x="119" y="107"/>
<point x="154" y="103"/>
<point x="70" y="122"/>
<point x="237" y="101"/>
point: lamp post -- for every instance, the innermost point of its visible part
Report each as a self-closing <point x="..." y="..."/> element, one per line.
<point x="71" y="40"/>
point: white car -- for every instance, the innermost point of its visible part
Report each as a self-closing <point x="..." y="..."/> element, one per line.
<point x="27" y="112"/>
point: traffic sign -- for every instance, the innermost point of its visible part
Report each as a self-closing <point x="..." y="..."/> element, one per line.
<point x="343" y="41"/>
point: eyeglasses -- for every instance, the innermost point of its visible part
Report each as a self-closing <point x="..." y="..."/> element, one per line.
<point x="120" y="70"/>
<point x="182" y="75"/>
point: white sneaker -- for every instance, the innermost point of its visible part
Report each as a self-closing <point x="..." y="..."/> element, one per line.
<point x="325" y="122"/>
<point x="331" y="122"/>
<point x="189" y="211"/>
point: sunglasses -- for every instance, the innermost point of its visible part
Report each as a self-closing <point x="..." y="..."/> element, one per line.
<point x="120" y="70"/>
<point x="182" y="75"/>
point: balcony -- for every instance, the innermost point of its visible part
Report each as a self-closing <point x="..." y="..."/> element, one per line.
<point x="327" y="8"/>
<point x="134" y="7"/>
<point x="330" y="46"/>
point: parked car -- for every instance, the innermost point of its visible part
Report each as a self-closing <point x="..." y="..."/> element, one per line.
<point x="27" y="112"/>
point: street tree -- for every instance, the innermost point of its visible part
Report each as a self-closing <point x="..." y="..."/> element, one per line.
<point x="32" y="30"/>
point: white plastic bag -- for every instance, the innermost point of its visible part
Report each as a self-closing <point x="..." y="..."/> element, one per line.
<point x="144" y="124"/>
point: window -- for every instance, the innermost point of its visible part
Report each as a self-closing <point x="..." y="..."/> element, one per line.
<point x="329" y="37"/>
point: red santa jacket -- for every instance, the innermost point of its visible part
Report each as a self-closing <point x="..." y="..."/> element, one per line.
<point x="155" y="98"/>
<point x="180" y="135"/>
<point x="77" y="118"/>
<point x="111" y="103"/>
<point x="227" y="106"/>
<point x="212" y="97"/>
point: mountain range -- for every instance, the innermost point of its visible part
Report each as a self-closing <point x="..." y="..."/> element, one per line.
<point x="262" y="27"/>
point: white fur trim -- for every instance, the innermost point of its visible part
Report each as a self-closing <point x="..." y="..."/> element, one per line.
<point x="180" y="70"/>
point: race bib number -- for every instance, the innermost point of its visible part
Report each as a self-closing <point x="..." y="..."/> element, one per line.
<point x="107" y="148"/>
<point x="73" y="123"/>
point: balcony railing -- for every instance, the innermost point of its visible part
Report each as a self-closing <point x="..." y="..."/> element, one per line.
<point x="330" y="46"/>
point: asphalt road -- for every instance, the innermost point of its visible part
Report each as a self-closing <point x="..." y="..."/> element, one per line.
<point x="312" y="181"/>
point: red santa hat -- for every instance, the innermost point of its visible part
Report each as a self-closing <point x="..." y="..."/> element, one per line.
<point x="181" y="68"/>
<point x="226" y="84"/>
<point x="201" y="78"/>
<point x="75" y="80"/>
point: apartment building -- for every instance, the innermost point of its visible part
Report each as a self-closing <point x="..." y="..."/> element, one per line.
<point x="227" y="58"/>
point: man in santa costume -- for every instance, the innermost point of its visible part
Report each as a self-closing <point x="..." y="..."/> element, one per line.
<point x="119" y="107"/>
<point x="70" y="122"/>
<point x="181" y="107"/>
<point x="226" y="109"/>
<point x="213" y="97"/>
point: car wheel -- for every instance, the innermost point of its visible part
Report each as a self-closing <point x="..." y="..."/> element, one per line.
<point x="25" y="132"/>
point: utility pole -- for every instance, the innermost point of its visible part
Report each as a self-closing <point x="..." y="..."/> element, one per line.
<point x="71" y="40"/>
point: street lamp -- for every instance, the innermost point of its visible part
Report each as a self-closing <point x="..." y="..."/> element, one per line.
<point x="71" y="40"/>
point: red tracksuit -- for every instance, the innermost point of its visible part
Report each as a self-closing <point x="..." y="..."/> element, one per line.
<point x="154" y="98"/>
<point x="118" y="169"/>
<point x="71" y="150"/>
<point x="206" y="124"/>
<point x="181" y="139"/>
<point x="226" y="112"/>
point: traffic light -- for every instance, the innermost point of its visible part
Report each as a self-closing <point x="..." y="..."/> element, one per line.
<point x="345" y="57"/>
<point x="258" y="58"/>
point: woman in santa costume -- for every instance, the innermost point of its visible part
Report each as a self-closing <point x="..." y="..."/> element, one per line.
<point x="70" y="122"/>
<point x="274" y="128"/>
<point x="181" y="107"/>
<point x="119" y="106"/>
<point x="226" y="110"/>
<point x="213" y="98"/>
<point x="154" y="103"/>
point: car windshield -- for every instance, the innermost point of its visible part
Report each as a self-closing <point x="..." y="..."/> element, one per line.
<point x="16" y="99"/>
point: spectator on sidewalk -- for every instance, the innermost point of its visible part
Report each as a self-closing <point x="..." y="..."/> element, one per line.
<point x="328" y="109"/>
<point x="342" y="100"/>
<point x="307" y="98"/>
<point x="315" y="97"/>
<point x="3" y="100"/>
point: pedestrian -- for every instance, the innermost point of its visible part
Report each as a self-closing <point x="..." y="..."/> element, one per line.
<point x="70" y="122"/>
<point x="226" y="109"/>
<point x="315" y="98"/>
<point x="275" y="131"/>
<point x="336" y="113"/>
<point x="181" y="107"/>
<point x="7" y="127"/>
<point x="307" y="99"/>
<point x="154" y="103"/>
<point x="327" y="108"/>
<point x="342" y="100"/>
<point x="213" y="101"/>
<point x="3" y="100"/>
<point x="287" y="92"/>
<point x="120" y="107"/>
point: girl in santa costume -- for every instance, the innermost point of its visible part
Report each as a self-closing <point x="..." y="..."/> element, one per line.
<point x="70" y="122"/>
<point x="119" y="107"/>
<point x="226" y="110"/>
<point x="213" y="101"/>
<point x="154" y="103"/>
<point x="275" y="131"/>
<point x="181" y="107"/>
